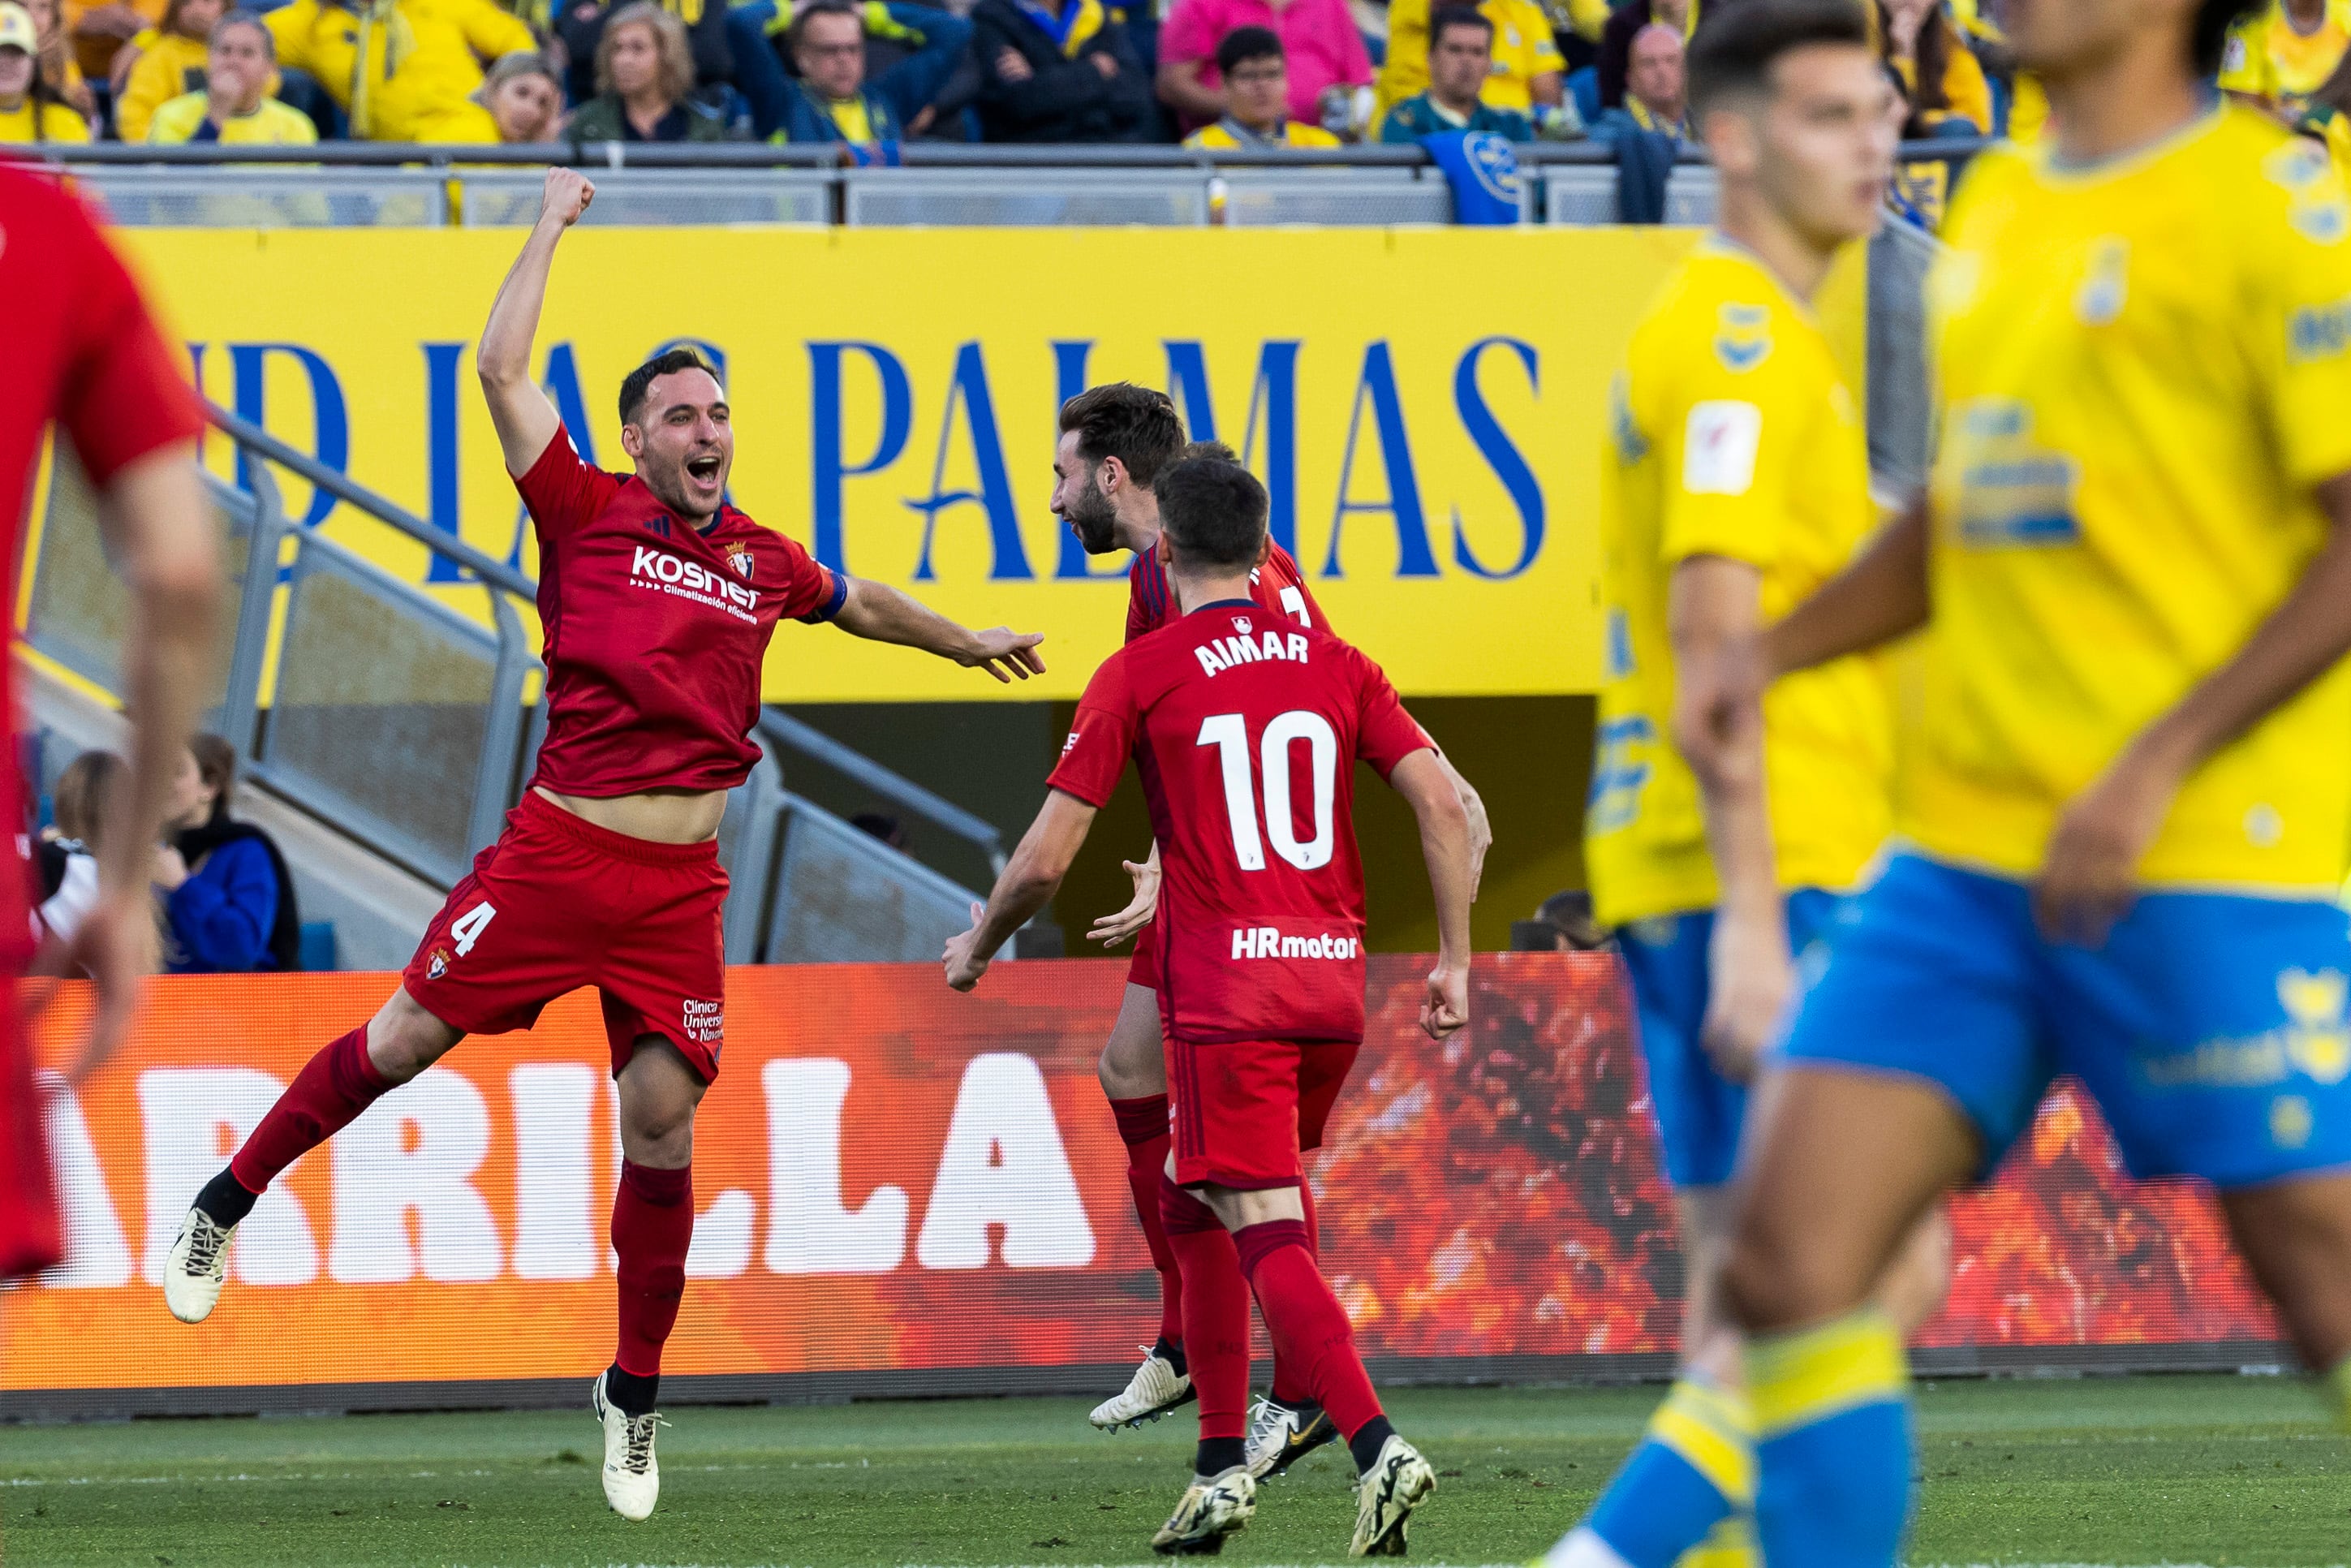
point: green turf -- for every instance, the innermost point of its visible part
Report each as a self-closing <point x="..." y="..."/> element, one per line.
<point x="2203" y="1469"/>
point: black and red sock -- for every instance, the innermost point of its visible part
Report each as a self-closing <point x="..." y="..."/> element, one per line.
<point x="1143" y="1128"/>
<point x="1309" y="1329"/>
<point x="326" y="1096"/>
<point x="1216" y="1313"/>
<point x="652" y="1227"/>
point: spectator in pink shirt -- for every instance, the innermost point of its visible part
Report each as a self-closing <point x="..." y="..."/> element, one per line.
<point x="1326" y="57"/>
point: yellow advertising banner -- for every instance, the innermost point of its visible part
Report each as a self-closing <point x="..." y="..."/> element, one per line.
<point x="1425" y="406"/>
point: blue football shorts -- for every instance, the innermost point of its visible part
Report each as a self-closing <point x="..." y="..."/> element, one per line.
<point x="2209" y="1027"/>
<point x="1700" y="1111"/>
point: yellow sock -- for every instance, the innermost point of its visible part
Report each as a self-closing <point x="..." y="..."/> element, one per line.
<point x="1714" y="1429"/>
<point x="1731" y="1544"/>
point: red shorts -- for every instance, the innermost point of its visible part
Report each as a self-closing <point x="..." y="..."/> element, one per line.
<point x="559" y="903"/>
<point x="1145" y="970"/>
<point x="1244" y="1111"/>
<point x="31" y="1238"/>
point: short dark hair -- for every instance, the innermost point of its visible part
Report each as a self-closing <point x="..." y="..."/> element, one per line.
<point x="1215" y="449"/>
<point x="2207" y="35"/>
<point x="1213" y="511"/>
<point x="1134" y="424"/>
<point x="1243" y="44"/>
<point x="1457" y="16"/>
<point x="1737" y="46"/>
<point x="639" y="382"/>
<point x="809" y="11"/>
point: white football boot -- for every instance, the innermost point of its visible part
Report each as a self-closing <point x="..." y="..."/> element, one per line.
<point x="197" y="1268"/>
<point x="1156" y="1388"/>
<point x="1280" y="1435"/>
<point x="632" y="1478"/>
<point x="1398" y="1482"/>
<point x="1213" y="1508"/>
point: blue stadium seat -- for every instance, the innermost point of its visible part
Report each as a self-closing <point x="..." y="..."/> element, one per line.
<point x="1583" y="87"/>
<point x="317" y="945"/>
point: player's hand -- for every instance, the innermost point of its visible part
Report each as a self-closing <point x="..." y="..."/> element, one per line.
<point x="1446" y="1006"/>
<point x="2090" y="876"/>
<point x="963" y="969"/>
<point x="1113" y="929"/>
<point x="1007" y="654"/>
<point x="115" y="944"/>
<point x="567" y="196"/>
<point x="1749" y="977"/>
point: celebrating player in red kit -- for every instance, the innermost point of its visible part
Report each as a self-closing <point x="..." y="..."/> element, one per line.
<point x="1245" y="727"/>
<point x="83" y="350"/>
<point x="1115" y="439"/>
<point x="659" y="598"/>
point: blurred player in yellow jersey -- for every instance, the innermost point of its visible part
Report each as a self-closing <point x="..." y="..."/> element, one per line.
<point x="1721" y="838"/>
<point x="2125" y="799"/>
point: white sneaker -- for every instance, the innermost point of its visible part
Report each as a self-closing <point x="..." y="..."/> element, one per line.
<point x="1155" y="1389"/>
<point x="1213" y="1508"/>
<point x="197" y="1268"/>
<point x="632" y="1478"/>
<point x="1280" y="1435"/>
<point x="1398" y="1482"/>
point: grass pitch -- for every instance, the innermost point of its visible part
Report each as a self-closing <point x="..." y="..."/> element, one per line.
<point x="2148" y="1470"/>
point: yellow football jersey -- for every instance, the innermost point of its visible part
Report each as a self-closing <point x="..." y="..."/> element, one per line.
<point x="2145" y="367"/>
<point x="2266" y="58"/>
<point x="1733" y="436"/>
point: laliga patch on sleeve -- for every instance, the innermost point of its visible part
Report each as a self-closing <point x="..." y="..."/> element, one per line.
<point x="1719" y="447"/>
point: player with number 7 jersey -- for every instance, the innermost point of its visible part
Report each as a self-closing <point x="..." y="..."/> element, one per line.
<point x="659" y="598"/>
<point x="1245" y="728"/>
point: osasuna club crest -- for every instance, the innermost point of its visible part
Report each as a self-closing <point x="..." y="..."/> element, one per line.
<point x="739" y="556"/>
<point x="436" y="964"/>
<point x="1241" y="624"/>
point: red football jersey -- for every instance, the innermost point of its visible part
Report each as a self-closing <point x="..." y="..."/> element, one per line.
<point x="654" y="630"/>
<point x="1245" y="727"/>
<point x="83" y="351"/>
<point x="1278" y="585"/>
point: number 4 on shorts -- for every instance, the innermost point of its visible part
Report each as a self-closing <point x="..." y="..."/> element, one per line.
<point x="467" y="929"/>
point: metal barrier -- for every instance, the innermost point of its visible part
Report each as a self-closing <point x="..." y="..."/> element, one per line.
<point x="1050" y="198"/>
<point x="647" y="198"/>
<point x="1334" y="198"/>
<point x="1900" y="415"/>
<point x="403" y="722"/>
<point x="272" y="198"/>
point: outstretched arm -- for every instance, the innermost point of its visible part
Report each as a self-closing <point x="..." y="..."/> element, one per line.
<point x="1427" y="787"/>
<point x="525" y="419"/>
<point x="1027" y="886"/>
<point x="1718" y="726"/>
<point x="1880" y="596"/>
<point x="880" y="613"/>
<point x="1481" y="831"/>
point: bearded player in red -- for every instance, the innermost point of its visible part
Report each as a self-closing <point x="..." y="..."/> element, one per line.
<point x="84" y="351"/>
<point x="658" y="598"/>
<point x="1245" y="727"/>
<point x="1115" y="439"/>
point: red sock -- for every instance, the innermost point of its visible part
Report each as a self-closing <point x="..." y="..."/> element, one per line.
<point x="325" y="1097"/>
<point x="1289" y="1386"/>
<point x="1216" y="1310"/>
<point x="1309" y="1329"/>
<point x="652" y="1225"/>
<point x="1143" y="1126"/>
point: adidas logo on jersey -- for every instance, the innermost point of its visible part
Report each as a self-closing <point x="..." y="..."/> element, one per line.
<point x="1266" y="942"/>
<point x="1222" y="653"/>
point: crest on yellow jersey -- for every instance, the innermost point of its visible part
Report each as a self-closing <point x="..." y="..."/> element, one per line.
<point x="2317" y="1038"/>
<point x="2106" y="282"/>
<point x="1742" y="335"/>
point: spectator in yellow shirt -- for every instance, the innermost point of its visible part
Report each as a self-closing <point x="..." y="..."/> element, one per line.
<point x="58" y="67"/>
<point x="521" y="101"/>
<point x="170" y="61"/>
<point x="1949" y="95"/>
<point x="234" y="105"/>
<point x="2282" y="53"/>
<point x="96" y="30"/>
<point x="1528" y="72"/>
<point x="1257" y="98"/>
<point x="398" y="68"/>
<point x="30" y="109"/>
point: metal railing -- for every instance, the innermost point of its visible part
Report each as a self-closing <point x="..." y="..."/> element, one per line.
<point x="412" y="727"/>
<point x="938" y="183"/>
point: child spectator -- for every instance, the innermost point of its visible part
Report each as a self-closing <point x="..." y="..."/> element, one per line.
<point x="644" y="84"/>
<point x="30" y="109"/>
<point x="1065" y="72"/>
<point x="1257" y="98"/>
<point x="1321" y="48"/>
<point x="2282" y="53"/>
<point x="1460" y="52"/>
<point x="521" y="102"/>
<point x="1949" y="95"/>
<point x="1527" y="72"/>
<point x="82" y="803"/>
<point x="59" y="69"/>
<point x="164" y="63"/>
<point x="234" y="106"/>
<point x="228" y="901"/>
<point x="397" y="69"/>
<point x="834" y="100"/>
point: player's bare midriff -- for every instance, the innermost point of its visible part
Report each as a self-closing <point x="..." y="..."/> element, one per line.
<point x="661" y="816"/>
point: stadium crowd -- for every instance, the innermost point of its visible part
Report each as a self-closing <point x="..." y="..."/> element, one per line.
<point x="870" y="74"/>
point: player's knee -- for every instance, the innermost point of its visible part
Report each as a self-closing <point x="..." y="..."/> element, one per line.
<point x="404" y="1039"/>
<point x="1774" y="1278"/>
